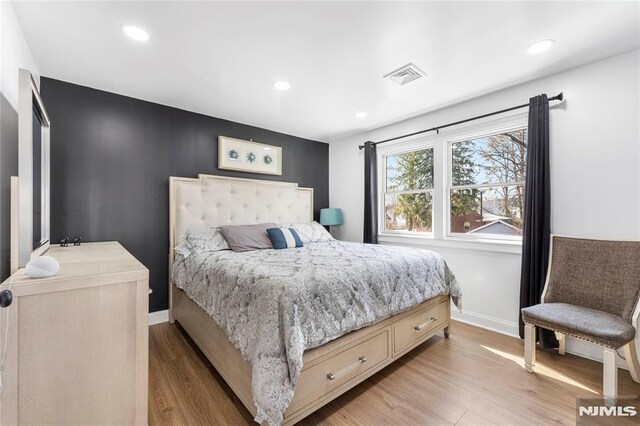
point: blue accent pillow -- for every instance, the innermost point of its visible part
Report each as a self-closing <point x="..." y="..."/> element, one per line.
<point x="282" y="238"/>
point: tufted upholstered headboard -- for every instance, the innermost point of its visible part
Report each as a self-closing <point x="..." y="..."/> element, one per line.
<point x="209" y="201"/>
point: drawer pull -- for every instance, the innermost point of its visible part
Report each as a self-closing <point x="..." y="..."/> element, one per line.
<point x="361" y="360"/>
<point x="424" y="324"/>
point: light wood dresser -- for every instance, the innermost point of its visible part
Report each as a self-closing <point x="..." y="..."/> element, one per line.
<point x="78" y="342"/>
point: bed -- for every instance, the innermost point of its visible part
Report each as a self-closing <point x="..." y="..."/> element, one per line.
<point x="290" y="330"/>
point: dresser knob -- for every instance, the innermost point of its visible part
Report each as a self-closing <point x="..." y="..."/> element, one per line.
<point x="363" y="359"/>
<point x="331" y="376"/>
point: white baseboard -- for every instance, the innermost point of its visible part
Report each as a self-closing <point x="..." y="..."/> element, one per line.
<point x="591" y="351"/>
<point x="483" y="321"/>
<point x="158" y="317"/>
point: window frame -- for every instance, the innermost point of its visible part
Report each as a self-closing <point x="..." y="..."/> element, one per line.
<point x="383" y="191"/>
<point x="450" y="186"/>
<point x="442" y="161"/>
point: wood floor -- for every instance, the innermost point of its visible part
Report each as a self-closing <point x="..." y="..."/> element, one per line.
<point x="476" y="377"/>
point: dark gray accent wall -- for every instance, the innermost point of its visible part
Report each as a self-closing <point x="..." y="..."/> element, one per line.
<point x="111" y="158"/>
<point x="8" y="168"/>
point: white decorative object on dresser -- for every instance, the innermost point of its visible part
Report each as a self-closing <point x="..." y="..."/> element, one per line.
<point x="77" y="342"/>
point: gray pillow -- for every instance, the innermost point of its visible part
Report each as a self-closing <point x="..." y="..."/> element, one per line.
<point x="247" y="237"/>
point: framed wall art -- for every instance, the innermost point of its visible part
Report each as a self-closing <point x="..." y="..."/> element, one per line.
<point x="249" y="156"/>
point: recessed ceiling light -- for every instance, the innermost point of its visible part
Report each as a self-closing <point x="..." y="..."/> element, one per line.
<point x="135" y="33"/>
<point x="540" y="46"/>
<point x="361" y="114"/>
<point x="282" y="85"/>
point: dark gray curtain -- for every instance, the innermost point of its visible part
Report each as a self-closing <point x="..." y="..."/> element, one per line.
<point x="370" y="194"/>
<point x="537" y="213"/>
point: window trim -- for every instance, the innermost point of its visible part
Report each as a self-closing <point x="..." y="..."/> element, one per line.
<point x="439" y="237"/>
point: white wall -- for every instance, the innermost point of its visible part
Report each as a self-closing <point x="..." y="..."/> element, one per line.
<point x="14" y="54"/>
<point x="595" y="175"/>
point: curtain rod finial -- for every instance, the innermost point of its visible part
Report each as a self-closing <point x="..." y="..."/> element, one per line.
<point x="361" y="147"/>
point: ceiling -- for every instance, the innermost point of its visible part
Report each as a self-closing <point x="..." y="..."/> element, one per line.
<point x="222" y="58"/>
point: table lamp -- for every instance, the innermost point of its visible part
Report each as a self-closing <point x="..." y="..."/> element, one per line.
<point x="330" y="217"/>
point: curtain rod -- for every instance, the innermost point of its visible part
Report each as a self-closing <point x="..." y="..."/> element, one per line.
<point x="558" y="97"/>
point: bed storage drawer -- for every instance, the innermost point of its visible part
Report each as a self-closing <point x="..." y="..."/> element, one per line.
<point x="415" y="326"/>
<point x="352" y="362"/>
<point x="356" y="360"/>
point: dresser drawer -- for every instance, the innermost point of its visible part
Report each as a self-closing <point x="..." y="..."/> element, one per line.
<point x="415" y="326"/>
<point x="341" y="368"/>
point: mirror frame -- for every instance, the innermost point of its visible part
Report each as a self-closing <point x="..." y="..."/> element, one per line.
<point x="30" y="99"/>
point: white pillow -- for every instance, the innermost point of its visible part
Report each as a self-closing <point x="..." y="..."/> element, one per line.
<point x="311" y="232"/>
<point x="204" y="241"/>
<point x="183" y="249"/>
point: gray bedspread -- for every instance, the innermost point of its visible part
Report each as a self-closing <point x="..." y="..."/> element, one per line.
<point x="275" y="304"/>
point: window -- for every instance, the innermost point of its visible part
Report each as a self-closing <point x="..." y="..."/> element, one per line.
<point x="408" y="191"/>
<point x="464" y="184"/>
<point x="486" y="185"/>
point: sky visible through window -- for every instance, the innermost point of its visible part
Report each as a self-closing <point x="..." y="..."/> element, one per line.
<point x="493" y="158"/>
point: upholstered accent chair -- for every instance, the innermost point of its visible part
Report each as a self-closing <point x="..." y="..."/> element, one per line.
<point x="591" y="293"/>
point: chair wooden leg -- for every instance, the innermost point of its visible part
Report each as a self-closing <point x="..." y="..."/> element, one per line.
<point x="631" y="355"/>
<point x="529" y="347"/>
<point x="610" y="375"/>
<point x="562" y="341"/>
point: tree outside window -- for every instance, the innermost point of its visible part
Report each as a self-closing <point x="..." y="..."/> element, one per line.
<point x="408" y="195"/>
<point x="487" y="184"/>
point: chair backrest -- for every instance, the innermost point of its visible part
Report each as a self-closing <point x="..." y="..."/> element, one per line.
<point x="596" y="274"/>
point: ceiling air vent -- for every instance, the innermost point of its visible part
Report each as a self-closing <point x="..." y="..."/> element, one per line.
<point x="405" y="74"/>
